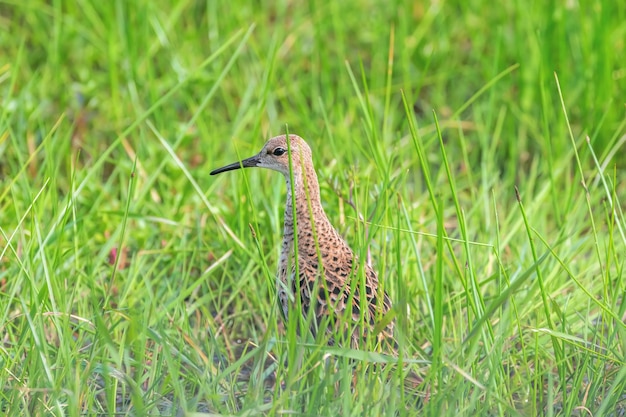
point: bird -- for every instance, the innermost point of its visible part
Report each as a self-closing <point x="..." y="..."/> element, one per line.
<point x="318" y="271"/>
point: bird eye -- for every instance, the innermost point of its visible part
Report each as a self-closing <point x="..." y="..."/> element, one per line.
<point x="278" y="151"/>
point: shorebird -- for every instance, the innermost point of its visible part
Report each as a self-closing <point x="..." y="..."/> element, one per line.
<point x="318" y="272"/>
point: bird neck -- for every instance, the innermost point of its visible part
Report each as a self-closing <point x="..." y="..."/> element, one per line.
<point x="308" y="206"/>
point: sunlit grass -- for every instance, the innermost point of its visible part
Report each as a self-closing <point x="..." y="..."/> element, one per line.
<point x="475" y="152"/>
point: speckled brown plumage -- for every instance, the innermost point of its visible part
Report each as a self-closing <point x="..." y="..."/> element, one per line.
<point x="328" y="282"/>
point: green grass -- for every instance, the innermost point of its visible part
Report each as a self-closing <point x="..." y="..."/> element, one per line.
<point x="483" y="145"/>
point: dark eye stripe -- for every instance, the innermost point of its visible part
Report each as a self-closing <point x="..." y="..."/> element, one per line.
<point x="278" y="151"/>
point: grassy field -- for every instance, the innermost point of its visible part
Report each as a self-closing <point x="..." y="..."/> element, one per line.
<point x="476" y="151"/>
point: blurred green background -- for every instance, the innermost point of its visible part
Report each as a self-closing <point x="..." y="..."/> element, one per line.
<point x="127" y="274"/>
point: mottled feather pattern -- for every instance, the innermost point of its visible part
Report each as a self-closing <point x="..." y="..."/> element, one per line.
<point x="329" y="282"/>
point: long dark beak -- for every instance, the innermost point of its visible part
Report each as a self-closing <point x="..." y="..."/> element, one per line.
<point x="246" y="163"/>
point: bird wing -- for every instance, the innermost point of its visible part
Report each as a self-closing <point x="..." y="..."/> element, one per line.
<point x="336" y="299"/>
